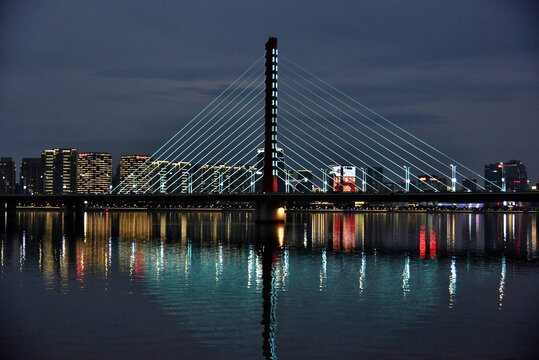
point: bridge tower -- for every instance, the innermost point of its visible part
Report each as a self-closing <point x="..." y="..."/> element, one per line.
<point x="269" y="180"/>
<point x="270" y="210"/>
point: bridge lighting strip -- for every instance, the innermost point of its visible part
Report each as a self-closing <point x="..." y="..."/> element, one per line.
<point x="144" y="172"/>
<point x="355" y="147"/>
<point x="211" y="126"/>
<point x="363" y="143"/>
<point x="360" y="132"/>
<point x="251" y="159"/>
<point x="361" y="123"/>
<point x="238" y="162"/>
<point x="296" y="162"/>
<point x="253" y="123"/>
<point x="329" y="158"/>
<point x="190" y="143"/>
<point x="205" y="149"/>
<point x="194" y="118"/>
<point x="235" y="147"/>
<point x="387" y="120"/>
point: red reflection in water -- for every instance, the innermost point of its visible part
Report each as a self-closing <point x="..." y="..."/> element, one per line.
<point x="139" y="263"/>
<point x="432" y="244"/>
<point x="336" y="232"/>
<point x="80" y="266"/>
<point x="349" y="232"/>
<point x="422" y="243"/>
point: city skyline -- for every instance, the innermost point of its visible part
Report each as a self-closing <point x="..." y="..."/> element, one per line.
<point x="469" y="74"/>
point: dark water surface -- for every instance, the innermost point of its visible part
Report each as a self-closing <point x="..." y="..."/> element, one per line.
<point x="175" y="285"/>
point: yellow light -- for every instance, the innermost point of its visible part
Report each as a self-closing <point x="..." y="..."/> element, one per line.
<point x="280" y="234"/>
<point x="280" y="213"/>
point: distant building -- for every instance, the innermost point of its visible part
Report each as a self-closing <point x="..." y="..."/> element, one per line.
<point x="133" y="169"/>
<point x="375" y="179"/>
<point x="304" y="181"/>
<point x="429" y="183"/>
<point x="493" y="176"/>
<point x="7" y="175"/>
<point x="469" y="184"/>
<point x="31" y="176"/>
<point x="344" y="178"/>
<point x="94" y="173"/>
<point x="515" y="175"/>
<point x="59" y="171"/>
<point x="512" y="175"/>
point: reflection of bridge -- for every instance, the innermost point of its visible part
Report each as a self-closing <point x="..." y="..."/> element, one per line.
<point x="210" y="254"/>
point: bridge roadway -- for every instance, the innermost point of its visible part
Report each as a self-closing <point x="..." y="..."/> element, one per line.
<point x="80" y="201"/>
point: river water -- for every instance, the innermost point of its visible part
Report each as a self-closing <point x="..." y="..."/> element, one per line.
<point x="182" y="285"/>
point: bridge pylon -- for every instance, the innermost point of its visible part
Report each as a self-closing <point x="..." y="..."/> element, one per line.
<point x="269" y="179"/>
<point x="269" y="210"/>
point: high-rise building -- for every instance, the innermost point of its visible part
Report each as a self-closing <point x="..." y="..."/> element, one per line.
<point x="7" y="175"/>
<point x="31" y="176"/>
<point x="179" y="177"/>
<point x="515" y="175"/>
<point x="94" y="173"/>
<point x="59" y="171"/>
<point x="493" y="176"/>
<point x="133" y="169"/>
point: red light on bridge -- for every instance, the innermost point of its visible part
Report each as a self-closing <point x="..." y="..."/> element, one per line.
<point x="142" y="157"/>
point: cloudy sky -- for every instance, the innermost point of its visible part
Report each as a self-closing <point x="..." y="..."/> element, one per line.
<point x="122" y="76"/>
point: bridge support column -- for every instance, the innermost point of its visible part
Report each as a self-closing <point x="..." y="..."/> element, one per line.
<point x="269" y="211"/>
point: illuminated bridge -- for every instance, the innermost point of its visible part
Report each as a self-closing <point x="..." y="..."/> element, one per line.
<point x="278" y="133"/>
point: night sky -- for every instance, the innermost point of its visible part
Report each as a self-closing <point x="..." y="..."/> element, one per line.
<point x="123" y="76"/>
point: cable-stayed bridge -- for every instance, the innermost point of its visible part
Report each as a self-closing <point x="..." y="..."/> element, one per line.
<point x="279" y="129"/>
<point x="323" y="141"/>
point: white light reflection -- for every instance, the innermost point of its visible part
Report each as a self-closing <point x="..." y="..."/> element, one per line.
<point x="250" y="266"/>
<point x="452" y="283"/>
<point x="362" y="273"/>
<point x="285" y="269"/>
<point x="85" y="225"/>
<point x="132" y="259"/>
<point x="501" y="288"/>
<point x="504" y="227"/>
<point x="323" y="270"/>
<point x="305" y="235"/>
<point x="406" y="277"/>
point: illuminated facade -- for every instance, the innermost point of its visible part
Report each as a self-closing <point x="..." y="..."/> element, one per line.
<point x="132" y="169"/>
<point x="7" y="175"/>
<point x="516" y="176"/>
<point x="59" y="171"/>
<point x="94" y="173"/>
<point x="31" y="176"/>
<point x="344" y="178"/>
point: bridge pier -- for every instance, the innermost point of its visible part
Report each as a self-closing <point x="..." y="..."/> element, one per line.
<point x="269" y="211"/>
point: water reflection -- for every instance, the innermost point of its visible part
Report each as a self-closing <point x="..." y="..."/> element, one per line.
<point x="203" y="264"/>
